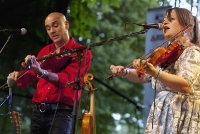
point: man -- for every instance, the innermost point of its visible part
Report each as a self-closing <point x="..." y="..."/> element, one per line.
<point x="54" y="97"/>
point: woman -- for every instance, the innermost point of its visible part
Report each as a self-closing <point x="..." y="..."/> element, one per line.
<point x="176" y="108"/>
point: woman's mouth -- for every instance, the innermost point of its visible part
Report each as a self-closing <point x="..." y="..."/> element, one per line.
<point x="166" y="28"/>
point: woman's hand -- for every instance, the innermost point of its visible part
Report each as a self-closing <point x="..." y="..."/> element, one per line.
<point x="117" y="70"/>
<point x="148" y="67"/>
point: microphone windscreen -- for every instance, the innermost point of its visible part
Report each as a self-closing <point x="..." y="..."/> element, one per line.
<point x="160" y="26"/>
<point x="23" y="31"/>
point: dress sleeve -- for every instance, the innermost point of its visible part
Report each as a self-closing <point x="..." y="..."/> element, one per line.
<point x="188" y="65"/>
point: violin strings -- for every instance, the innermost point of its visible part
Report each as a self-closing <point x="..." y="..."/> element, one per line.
<point x="153" y="50"/>
<point x="6" y="85"/>
<point x="20" y="76"/>
<point x="170" y="39"/>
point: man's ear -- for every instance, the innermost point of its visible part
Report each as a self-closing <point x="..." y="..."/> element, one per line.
<point x="66" y="24"/>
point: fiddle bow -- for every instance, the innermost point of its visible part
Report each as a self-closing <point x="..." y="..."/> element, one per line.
<point x="89" y="122"/>
<point x="161" y="56"/>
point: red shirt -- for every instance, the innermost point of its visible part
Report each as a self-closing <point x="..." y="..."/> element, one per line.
<point x="66" y="68"/>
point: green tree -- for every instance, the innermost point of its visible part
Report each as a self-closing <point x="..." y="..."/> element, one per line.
<point x="90" y="22"/>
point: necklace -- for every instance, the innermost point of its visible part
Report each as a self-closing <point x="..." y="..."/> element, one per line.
<point x="57" y="50"/>
<point x="58" y="47"/>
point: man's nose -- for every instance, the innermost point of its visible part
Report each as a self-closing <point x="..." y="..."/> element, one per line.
<point x="52" y="30"/>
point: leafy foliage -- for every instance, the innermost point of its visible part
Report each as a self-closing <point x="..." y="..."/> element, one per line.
<point x="90" y="22"/>
<point x="111" y="20"/>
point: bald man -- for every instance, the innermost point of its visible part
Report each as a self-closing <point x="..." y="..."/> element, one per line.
<point x="54" y="98"/>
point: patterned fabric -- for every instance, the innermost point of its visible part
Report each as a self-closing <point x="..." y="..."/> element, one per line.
<point x="175" y="112"/>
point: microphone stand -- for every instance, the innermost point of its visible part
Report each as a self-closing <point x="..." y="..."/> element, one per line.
<point x="6" y="42"/>
<point x="77" y="80"/>
<point x="10" y="84"/>
<point x="76" y="87"/>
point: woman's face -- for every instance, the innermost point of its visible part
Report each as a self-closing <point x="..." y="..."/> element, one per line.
<point x="171" y="27"/>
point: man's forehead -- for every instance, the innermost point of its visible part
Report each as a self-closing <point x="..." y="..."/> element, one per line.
<point x="50" y="20"/>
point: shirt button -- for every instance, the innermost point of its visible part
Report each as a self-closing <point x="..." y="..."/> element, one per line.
<point x="48" y="87"/>
<point x="46" y="98"/>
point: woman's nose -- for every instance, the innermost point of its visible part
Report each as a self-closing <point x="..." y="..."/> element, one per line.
<point x="165" y="21"/>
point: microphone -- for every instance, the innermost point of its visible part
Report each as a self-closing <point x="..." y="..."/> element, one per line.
<point x="21" y="31"/>
<point x="158" y="26"/>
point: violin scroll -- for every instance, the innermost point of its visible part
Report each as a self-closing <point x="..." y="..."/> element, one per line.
<point x="87" y="78"/>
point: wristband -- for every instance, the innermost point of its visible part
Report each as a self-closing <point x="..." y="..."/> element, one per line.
<point x="126" y="72"/>
<point x="43" y="75"/>
<point x="158" y="74"/>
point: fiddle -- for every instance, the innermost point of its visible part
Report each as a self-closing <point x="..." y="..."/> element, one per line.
<point x="51" y="55"/>
<point x="26" y="67"/>
<point x="162" y="56"/>
<point x="88" y="122"/>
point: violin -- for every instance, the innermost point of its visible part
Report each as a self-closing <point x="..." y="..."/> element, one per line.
<point x="89" y="122"/>
<point x="162" y="56"/>
<point x="69" y="53"/>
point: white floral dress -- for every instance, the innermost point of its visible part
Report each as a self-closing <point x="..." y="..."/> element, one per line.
<point x="178" y="113"/>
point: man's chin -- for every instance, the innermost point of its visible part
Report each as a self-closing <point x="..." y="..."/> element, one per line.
<point x="55" y="40"/>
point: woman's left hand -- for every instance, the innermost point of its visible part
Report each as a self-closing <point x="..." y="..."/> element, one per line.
<point x="150" y="69"/>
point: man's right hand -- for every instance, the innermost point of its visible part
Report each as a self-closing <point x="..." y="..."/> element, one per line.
<point x="14" y="75"/>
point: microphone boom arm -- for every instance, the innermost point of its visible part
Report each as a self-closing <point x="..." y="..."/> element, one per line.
<point x="119" y="38"/>
<point x="69" y="52"/>
<point x="84" y="47"/>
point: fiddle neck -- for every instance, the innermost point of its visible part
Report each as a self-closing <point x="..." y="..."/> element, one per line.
<point x="92" y="104"/>
<point x="92" y="110"/>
